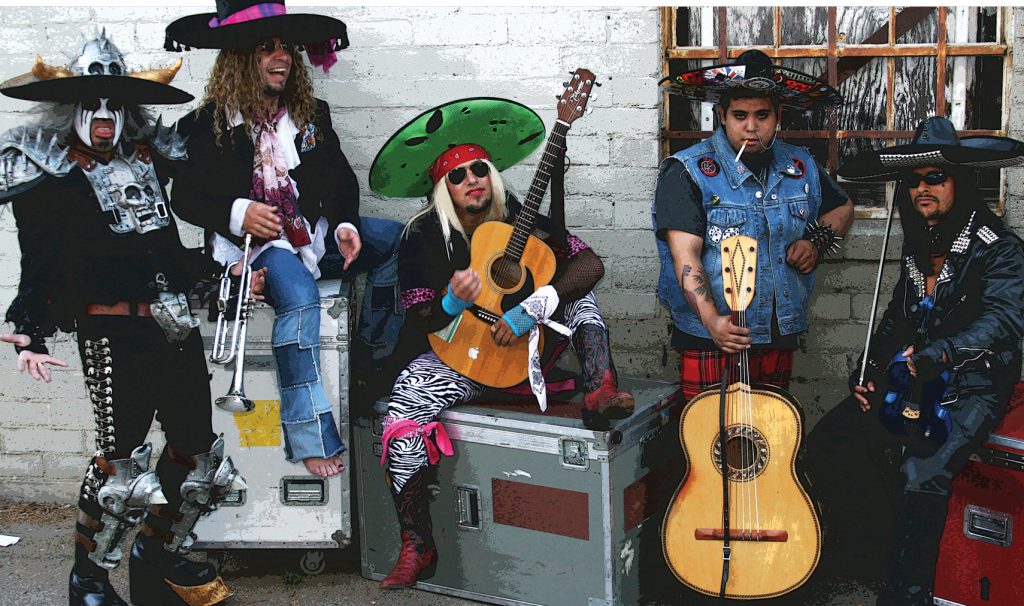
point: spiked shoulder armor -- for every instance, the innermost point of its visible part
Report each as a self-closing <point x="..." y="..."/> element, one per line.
<point x="166" y="141"/>
<point x="26" y="156"/>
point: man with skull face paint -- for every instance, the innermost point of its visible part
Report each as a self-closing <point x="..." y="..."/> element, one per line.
<point x="91" y="178"/>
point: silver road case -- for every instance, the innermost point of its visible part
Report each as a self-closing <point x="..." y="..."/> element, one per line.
<point x="285" y="506"/>
<point x="533" y="508"/>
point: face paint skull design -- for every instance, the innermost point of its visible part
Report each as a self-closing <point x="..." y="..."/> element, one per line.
<point x="99" y="123"/>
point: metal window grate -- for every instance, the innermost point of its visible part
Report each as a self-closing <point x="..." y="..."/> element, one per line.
<point x="962" y="54"/>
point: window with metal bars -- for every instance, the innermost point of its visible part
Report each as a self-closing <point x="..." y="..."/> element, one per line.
<point x="895" y="66"/>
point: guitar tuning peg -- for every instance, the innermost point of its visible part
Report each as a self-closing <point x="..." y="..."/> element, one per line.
<point x="590" y="110"/>
<point x="596" y="83"/>
<point x="565" y="85"/>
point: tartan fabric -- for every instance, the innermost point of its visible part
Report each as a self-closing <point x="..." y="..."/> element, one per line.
<point x="700" y="369"/>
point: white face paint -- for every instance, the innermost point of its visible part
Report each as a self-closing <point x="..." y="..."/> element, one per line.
<point x="100" y="109"/>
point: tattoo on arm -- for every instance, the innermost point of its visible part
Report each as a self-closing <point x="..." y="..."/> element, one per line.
<point x="699" y="288"/>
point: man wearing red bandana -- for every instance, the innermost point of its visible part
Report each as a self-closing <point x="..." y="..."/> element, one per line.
<point x="461" y="179"/>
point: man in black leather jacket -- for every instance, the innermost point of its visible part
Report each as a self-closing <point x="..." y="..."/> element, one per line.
<point x="953" y="329"/>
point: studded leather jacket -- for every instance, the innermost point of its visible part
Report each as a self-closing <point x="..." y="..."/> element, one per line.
<point x="977" y="317"/>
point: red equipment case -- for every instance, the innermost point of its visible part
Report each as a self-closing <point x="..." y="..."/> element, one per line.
<point x="981" y="558"/>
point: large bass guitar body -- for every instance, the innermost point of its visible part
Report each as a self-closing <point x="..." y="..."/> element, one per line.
<point x="774" y="531"/>
<point x="466" y="345"/>
<point x="740" y="525"/>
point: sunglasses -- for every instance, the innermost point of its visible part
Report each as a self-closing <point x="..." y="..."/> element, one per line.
<point x="92" y="105"/>
<point x="913" y="179"/>
<point x="458" y="175"/>
<point x="269" y="45"/>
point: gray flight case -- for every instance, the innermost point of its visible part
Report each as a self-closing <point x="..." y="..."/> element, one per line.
<point x="285" y="506"/>
<point x="533" y="508"/>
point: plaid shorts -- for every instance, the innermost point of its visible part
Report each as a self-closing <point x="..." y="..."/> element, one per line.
<point x="700" y="369"/>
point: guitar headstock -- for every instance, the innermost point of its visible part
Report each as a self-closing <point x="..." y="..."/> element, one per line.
<point x="739" y="271"/>
<point x="573" y="101"/>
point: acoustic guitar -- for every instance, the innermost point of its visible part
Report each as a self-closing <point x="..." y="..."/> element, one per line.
<point x="512" y="265"/>
<point x="740" y="525"/>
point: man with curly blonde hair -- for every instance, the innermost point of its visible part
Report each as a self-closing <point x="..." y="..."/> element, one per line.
<point x="265" y="160"/>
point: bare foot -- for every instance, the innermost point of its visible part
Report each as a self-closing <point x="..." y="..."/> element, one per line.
<point x="324" y="468"/>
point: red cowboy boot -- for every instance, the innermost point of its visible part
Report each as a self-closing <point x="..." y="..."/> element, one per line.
<point x="609" y="400"/>
<point x="417" y="559"/>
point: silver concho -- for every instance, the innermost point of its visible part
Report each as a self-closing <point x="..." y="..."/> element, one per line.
<point x="128" y="189"/>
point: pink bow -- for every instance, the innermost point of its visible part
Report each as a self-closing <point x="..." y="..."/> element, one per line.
<point x="406" y="428"/>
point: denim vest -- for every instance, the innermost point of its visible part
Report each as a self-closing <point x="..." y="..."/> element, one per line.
<point x="736" y="203"/>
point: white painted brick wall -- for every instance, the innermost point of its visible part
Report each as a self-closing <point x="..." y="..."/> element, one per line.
<point x="402" y="61"/>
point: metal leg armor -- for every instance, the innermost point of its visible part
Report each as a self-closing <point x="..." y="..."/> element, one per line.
<point x="97" y="365"/>
<point x="123" y="489"/>
<point x="159" y="574"/>
<point x="207" y="485"/>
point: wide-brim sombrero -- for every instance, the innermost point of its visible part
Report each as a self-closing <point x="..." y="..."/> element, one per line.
<point x="195" y="31"/>
<point x="754" y="70"/>
<point x="126" y="89"/>
<point x="935" y="144"/>
<point x="507" y="130"/>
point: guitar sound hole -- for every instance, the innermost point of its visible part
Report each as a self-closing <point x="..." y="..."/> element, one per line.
<point x="506" y="273"/>
<point x="740" y="452"/>
<point x="746" y="452"/>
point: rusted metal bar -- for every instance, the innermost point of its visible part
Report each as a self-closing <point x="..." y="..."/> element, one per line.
<point x="973" y="49"/>
<point x="840" y="134"/>
<point x="903" y="22"/>
<point x="777" y="26"/>
<point x="833" y="81"/>
<point x="723" y="35"/>
<point x="668" y="40"/>
<point x="940" y="66"/>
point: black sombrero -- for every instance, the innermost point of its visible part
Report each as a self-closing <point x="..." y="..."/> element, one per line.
<point x="754" y="70"/>
<point x="507" y="130"/>
<point x="98" y="71"/>
<point x="242" y="25"/>
<point x="935" y="144"/>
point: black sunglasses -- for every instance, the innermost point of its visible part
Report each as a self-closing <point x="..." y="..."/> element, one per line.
<point x="913" y="179"/>
<point x="91" y="105"/>
<point x="458" y="175"/>
<point x="269" y="45"/>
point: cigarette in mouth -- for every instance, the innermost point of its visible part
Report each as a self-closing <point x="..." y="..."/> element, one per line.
<point x="740" y="153"/>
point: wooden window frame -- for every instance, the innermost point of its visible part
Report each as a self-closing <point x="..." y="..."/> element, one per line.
<point x="834" y="50"/>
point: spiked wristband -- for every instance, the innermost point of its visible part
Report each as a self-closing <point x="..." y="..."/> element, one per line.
<point x="823" y="237"/>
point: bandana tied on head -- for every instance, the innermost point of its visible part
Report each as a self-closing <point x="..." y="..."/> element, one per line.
<point x="460" y="154"/>
<point x="271" y="183"/>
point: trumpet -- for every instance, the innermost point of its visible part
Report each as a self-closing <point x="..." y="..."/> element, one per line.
<point x="225" y="350"/>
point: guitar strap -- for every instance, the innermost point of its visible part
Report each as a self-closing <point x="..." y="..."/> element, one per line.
<point x="557" y="210"/>
<point x="722" y="439"/>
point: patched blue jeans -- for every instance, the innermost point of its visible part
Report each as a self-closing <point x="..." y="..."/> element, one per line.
<point x="310" y="429"/>
<point x="382" y="315"/>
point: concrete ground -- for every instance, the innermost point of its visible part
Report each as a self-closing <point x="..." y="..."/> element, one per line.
<point x="34" y="572"/>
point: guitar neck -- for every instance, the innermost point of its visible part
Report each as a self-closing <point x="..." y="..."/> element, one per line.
<point x="527" y="217"/>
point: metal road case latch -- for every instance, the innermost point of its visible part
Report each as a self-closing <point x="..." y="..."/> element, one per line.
<point x="987" y="525"/>
<point x="467" y="507"/>
<point x="303" y="490"/>
<point x="575" y="454"/>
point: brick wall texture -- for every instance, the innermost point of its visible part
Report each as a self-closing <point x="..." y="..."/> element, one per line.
<point x="402" y="61"/>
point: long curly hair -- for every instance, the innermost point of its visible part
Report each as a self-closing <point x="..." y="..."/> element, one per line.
<point x="236" y="84"/>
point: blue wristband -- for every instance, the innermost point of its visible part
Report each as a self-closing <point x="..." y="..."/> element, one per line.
<point x="518" y="320"/>
<point x="453" y="305"/>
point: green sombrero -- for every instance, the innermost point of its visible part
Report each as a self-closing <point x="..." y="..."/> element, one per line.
<point x="509" y="131"/>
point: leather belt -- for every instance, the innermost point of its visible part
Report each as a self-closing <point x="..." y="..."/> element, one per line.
<point x="121" y="308"/>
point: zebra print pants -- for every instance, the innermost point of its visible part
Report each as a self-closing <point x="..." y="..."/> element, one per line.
<point x="427" y="387"/>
